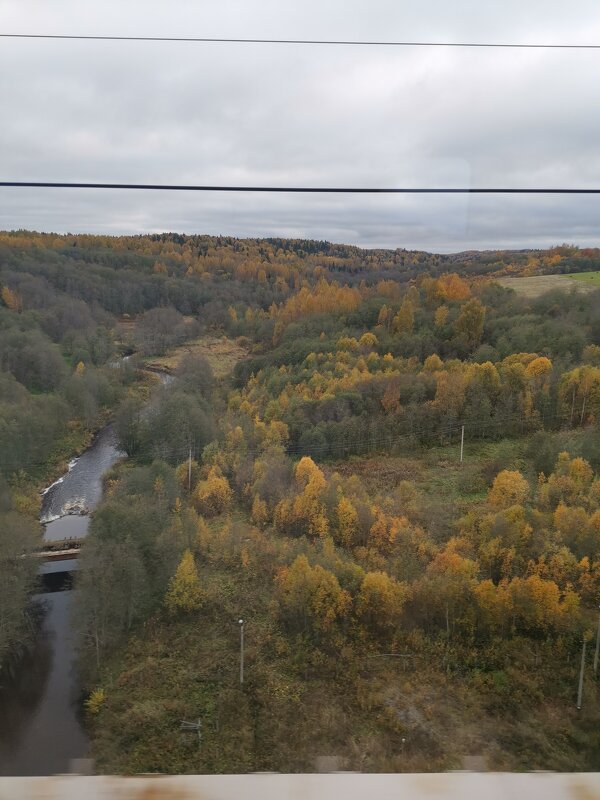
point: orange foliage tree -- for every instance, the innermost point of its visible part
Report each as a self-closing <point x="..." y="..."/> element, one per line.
<point x="311" y="598"/>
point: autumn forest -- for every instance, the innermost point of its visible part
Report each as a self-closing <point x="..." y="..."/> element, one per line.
<point x="386" y="462"/>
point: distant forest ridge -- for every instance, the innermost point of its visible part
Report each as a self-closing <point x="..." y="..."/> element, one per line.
<point x="274" y="259"/>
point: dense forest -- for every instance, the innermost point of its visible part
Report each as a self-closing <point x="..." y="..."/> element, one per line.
<point x="403" y="608"/>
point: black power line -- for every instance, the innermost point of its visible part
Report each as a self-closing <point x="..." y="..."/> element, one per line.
<point x="294" y="189"/>
<point x="329" y="42"/>
<point x="372" y="444"/>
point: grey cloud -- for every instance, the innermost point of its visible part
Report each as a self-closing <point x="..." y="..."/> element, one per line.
<point x="322" y="116"/>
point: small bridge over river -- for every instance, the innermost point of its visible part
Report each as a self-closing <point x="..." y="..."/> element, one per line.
<point x="60" y="550"/>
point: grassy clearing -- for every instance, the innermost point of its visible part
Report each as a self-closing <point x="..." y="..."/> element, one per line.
<point x="536" y="285"/>
<point x="437" y="468"/>
<point x="592" y="278"/>
<point x="446" y="487"/>
<point x="222" y="354"/>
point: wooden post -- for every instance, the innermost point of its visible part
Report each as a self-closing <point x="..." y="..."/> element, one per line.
<point x="597" y="647"/>
<point x="241" y="624"/>
<point x="580" y="690"/>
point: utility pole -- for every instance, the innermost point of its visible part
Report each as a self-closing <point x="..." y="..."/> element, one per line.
<point x="580" y="691"/>
<point x="597" y="645"/>
<point x="462" y="443"/>
<point x="241" y="624"/>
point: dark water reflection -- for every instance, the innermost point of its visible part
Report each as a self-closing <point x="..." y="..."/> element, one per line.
<point x="40" y="730"/>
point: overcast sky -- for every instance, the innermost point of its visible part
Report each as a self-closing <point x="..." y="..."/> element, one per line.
<point x="313" y="115"/>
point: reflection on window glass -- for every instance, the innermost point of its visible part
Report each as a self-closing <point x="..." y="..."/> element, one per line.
<point x="313" y="485"/>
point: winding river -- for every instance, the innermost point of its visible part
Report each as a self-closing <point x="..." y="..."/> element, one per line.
<point x="41" y="732"/>
<point x="67" y="503"/>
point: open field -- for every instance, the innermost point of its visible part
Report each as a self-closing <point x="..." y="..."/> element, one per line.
<point x="591" y="278"/>
<point x="537" y="285"/>
<point x="222" y="354"/>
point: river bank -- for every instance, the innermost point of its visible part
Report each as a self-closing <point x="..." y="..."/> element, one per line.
<point x="41" y="729"/>
<point x="41" y="726"/>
